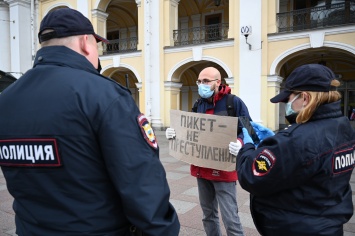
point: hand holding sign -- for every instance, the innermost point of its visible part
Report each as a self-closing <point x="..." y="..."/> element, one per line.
<point x="170" y="133"/>
<point x="235" y="147"/>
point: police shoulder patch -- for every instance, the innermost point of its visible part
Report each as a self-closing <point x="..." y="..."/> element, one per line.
<point x="263" y="163"/>
<point x="147" y="131"/>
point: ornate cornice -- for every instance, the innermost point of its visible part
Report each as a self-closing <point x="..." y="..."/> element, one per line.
<point x="18" y="2"/>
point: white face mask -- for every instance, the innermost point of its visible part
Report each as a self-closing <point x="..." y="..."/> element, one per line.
<point x="288" y="107"/>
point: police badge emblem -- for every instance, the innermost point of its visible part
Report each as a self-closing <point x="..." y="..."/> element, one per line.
<point x="147" y="131"/>
<point x="263" y="163"/>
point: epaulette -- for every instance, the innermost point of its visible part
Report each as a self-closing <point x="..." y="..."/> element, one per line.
<point x="289" y="129"/>
<point x="115" y="82"/>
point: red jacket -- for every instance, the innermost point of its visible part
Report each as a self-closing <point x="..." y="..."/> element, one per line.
<point x="219" y="107"/>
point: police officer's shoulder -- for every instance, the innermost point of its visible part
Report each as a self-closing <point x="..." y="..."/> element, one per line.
<point x="289" y="129"/>
<point x="115" y="83"/>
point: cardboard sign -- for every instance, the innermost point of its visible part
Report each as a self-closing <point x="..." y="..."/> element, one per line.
<point x="203" y="139"/>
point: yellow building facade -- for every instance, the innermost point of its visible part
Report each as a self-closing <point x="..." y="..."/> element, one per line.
<point x="158" y="47"/>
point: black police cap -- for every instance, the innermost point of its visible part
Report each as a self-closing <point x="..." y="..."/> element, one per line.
<point x="309" y="77"/>
<point x="66" y="22"/>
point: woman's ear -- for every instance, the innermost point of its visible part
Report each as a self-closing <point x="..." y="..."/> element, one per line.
<point x="306" y="98"/>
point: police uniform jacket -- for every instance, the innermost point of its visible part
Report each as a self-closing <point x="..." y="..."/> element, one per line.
<point x="299" y="178"/>
<point x="78" y="156"/>
<point x="218" y="107"/>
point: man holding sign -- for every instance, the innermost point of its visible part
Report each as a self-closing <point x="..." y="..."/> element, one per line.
<point x="215" y="186"/>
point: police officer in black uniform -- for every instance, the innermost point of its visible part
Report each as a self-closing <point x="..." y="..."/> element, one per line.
<point x="299" y="178"/>
<point x="78" y="156"/>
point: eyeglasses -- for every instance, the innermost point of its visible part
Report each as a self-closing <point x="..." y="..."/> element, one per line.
<point x="204" y="81"/>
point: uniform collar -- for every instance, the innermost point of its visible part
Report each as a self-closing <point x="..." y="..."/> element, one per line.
<point x="63" y="56"/>
<point x="328" y="110"/>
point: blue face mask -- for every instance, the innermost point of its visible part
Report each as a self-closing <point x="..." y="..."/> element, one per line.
<point x="204" y="90"/>
<point x="288" y="108"/>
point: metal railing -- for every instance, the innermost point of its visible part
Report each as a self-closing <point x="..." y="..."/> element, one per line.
<point x="317" y="17"/>
<point x="197" y="35"/>
<point x="120" y="45"/>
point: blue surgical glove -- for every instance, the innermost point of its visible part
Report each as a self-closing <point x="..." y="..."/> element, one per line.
<point x="262" y="131"/>
<point x="247" y="138"/>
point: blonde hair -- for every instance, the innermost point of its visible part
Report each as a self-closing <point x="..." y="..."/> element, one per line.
<point x="315" y="100"/>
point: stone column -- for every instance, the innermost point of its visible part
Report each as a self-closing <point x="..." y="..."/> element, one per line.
<point x="5" y="22"/>
<point x="250" y="58"/>
<point x="123" y="39"/>
<point x="132" y="31"/>
<point x="99" y="22"/>
<point x="20" y="36"/>
<point x="140" y="25"/>
<point x="185" y="98"/>
<point x="194" y="93"/>
<point x="153" y="72"/>
<point x="132" y="43"/>
<point x="230" y="82"/>
<point x="197" y="35"/>
<point x="196" y="20"/>
<point x="183" y="27"/>
<point x="171" y="98"/>
<point x="170" y="21"/>
<point x="139" y="95"/>
<point x="275" y="114"/>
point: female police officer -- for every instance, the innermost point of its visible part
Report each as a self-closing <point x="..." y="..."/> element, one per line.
<point x="299" y="178"/>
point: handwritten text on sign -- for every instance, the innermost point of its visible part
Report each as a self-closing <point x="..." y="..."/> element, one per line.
<point x="203" y="140"/>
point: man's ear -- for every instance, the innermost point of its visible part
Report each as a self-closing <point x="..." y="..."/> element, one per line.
<point x="84" y="42"/>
